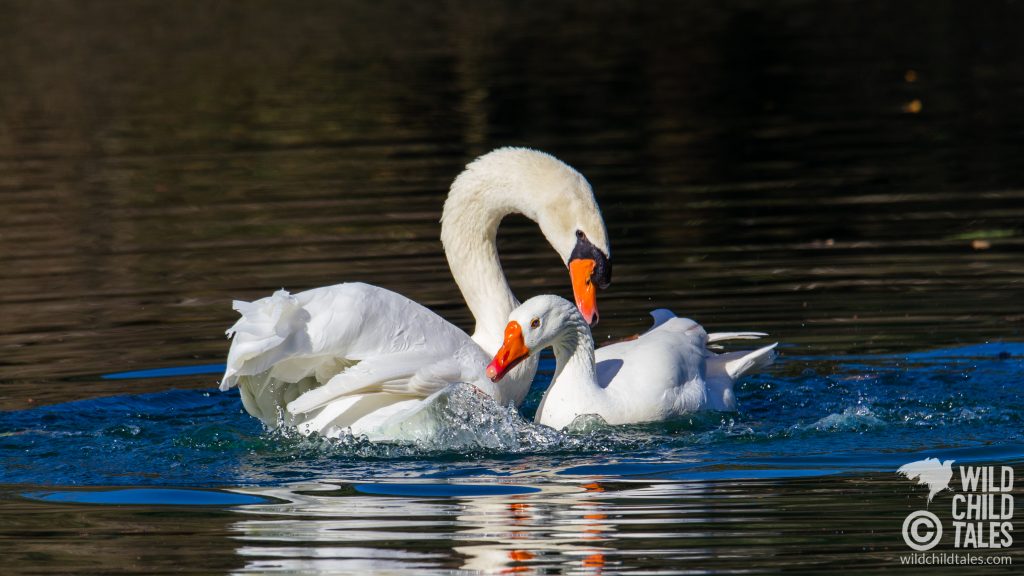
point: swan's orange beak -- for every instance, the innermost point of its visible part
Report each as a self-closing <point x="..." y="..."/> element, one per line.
<point x="581" y="271"/>
<point x="513" y="351"/>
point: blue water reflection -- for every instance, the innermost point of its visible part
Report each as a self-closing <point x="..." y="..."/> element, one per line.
<point x="147" y="497"/>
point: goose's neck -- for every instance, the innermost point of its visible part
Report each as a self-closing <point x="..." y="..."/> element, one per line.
<point x="574" y="359"/>
<point x="469" y="228"/>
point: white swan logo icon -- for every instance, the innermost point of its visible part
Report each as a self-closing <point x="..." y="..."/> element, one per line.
<point x="931" y="471"/>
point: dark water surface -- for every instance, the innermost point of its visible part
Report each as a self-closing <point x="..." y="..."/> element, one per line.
<point x="846" y="176"/>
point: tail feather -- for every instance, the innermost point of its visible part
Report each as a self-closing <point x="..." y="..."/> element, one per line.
<point x="736" y="364"/>
<point x="721" y="336"/>
<point x="269" y="330"/>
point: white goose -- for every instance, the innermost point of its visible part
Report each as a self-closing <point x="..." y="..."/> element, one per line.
<point x="355" y="356"/>
<point x="664" y="373"/>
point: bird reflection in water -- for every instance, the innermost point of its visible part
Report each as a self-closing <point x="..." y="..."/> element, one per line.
<point x="564" y="526"/>
<point x="323" y="528"/>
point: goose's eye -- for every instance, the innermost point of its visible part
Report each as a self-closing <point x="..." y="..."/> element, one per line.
<point x="535" y="323"/>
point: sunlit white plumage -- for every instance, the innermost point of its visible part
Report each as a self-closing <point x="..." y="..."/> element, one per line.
<point x="359" y="357"/>
<point x="666" y="372"/>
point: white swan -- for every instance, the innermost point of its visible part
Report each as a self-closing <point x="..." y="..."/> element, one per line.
<point x="664" y="373"/>
<point x="355" y="356"/>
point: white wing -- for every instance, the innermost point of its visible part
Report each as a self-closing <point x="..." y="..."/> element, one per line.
<point x="308" y="349"/>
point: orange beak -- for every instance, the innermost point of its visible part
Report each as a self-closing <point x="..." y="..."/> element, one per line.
<point x="513" y="351"/>
<point x="581" y="271"/>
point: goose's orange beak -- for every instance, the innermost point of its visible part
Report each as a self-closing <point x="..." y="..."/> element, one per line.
<point x="513" y="351"/>
<point x="581" y="271"/>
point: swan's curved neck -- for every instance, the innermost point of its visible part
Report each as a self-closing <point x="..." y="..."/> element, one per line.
<point x="469" y="228"/>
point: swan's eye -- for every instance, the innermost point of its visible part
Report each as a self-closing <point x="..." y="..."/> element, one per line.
<point x="535" y="323"/>
<point x="580" y="235"/>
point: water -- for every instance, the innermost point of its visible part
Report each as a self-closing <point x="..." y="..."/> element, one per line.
<point x="845" y="177"/>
